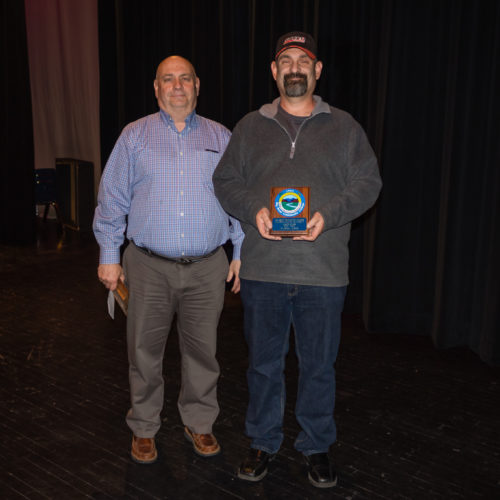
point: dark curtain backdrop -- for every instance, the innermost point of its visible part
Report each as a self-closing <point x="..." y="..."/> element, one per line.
<point x="437" y="247"/>
<point x="422" y="77"/>
<point x="17" y="194"/>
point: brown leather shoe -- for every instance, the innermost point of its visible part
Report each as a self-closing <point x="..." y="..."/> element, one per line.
<point x="203" y="444"/>
<point x="143" y="450"/>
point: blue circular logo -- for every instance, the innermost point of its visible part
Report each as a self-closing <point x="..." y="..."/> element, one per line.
<point x="289" y="202"/>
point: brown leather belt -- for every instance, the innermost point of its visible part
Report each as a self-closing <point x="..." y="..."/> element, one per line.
<point x="177" y="260"/>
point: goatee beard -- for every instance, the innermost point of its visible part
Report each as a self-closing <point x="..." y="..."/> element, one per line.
<point x="297" y="88"/>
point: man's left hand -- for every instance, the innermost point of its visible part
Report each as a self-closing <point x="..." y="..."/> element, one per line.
<point x="315" y="225"/>
<point x="234" y="272"/>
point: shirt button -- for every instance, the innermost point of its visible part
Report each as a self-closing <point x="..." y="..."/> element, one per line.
<point x="180" y="153"/>
<point x="182" y="193"/>
<point x="182" y="253"/>
<point x="182" y="214"/>
<point x="182" y="235"/>
<point x="182" y="171"/>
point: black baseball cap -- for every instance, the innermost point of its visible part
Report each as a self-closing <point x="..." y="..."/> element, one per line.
<point x="299" y="40"/>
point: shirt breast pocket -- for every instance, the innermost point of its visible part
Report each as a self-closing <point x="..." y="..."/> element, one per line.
<point x="206" y="161"/>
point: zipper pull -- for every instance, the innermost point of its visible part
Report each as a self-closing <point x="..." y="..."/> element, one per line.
<point x="292" y="150"/>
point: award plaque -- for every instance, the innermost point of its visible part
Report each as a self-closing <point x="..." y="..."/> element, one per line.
<point x="121" y="296"/>
<point x="289" y="211"/>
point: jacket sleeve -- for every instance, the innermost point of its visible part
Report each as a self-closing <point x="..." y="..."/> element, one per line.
<point x="362" y="182"/>
<point x="229" y="181"/>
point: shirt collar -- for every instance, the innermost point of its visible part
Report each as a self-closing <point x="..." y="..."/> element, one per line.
<point x="191" y="120"/>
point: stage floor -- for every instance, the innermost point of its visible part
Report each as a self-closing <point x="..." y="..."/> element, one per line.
<point x="413" y="422"/>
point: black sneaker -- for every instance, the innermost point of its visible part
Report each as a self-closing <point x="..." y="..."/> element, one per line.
<point x="254" y="467"/>
<point x="320" y="471"/>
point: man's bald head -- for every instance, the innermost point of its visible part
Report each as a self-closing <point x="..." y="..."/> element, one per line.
<point x="173" y="59"/>
<point x="176" y="87"/>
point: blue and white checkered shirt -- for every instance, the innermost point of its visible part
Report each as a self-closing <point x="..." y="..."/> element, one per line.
<point x="157" y="185"/>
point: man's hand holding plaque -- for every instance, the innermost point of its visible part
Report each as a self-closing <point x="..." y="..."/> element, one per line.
<point x="315" y="227"/>
<point x="287" y="204"/>
<point x="264" y="224"/>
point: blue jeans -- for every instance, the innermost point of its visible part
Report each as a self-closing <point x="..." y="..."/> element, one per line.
<point x="315" y="312"/>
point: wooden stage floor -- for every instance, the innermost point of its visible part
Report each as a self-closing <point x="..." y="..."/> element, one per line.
<point x="413" y="422"/>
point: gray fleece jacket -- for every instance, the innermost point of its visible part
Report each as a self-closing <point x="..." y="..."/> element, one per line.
<point x="332" y="156"/>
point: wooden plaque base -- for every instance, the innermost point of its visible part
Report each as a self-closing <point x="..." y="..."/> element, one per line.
<point x="289" y="207"/>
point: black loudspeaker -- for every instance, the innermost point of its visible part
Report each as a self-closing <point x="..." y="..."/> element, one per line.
<point x="75" y="186"/>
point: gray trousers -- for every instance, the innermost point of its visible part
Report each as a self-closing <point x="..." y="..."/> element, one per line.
<point x="158" y="290"/>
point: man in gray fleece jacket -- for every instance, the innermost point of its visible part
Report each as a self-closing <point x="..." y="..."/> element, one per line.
<point x="298" y="140"/>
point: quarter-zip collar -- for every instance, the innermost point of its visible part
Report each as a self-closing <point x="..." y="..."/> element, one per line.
<point x="270" y="111"/>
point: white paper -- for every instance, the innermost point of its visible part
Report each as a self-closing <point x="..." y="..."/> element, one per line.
<point x="111" y="304"/>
